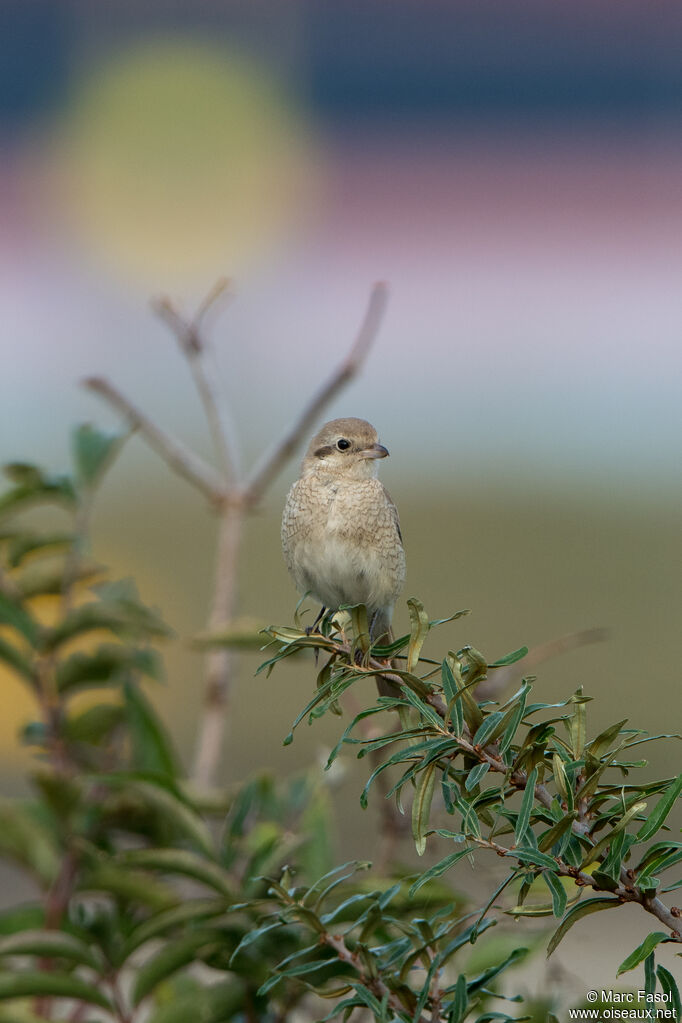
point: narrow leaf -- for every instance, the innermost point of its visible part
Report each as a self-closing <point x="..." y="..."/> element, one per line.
<point x="526" y="806"/>
<point x="152" y="749"/>
<point x="51" y="945"/>
<point x="437" y="869"/>
<point x="38" y="983"/>
<point x="171" y="958"/>
<point x="182" y="862"/>
<point x="580" y="910"/>
<point x="642" y="951"/>
<point x="670" y="988"/>
<point x="512" y="658"/>
<point x="476" y="774"/>
<point x="660" y="811"/>
<point x="558" y="892"/>
<point x="419" y="622"/>
<point x="421" y="807"/>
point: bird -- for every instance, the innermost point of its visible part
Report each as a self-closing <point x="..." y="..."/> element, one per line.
<point x="341" y="535"/>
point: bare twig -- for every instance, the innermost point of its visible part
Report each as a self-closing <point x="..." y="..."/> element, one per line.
<point x="173" y="452"/>
<point x="271" y="463"/>
<point x="195" y="348"/>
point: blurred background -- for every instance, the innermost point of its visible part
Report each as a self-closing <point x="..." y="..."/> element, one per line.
<point x="514" y="171"/>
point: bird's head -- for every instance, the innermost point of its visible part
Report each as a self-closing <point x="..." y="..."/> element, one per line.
<point x="345" y="446"/>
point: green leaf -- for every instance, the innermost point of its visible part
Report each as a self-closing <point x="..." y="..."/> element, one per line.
<point x="27" y="840"/>
<point x="480" y="983"/>
<point x="26" y="917"/>
<point x="51" y="945"/>
<point x="512" y="658"/>
<point x="419" y="630"/>
<point x="470" y="822"/>
<point x="471" y="710"/>
<point x="670" y="988"/>
<point x="529" y="855"/>
<point x="33" y="486"/>
<point x="255" y="935"/>
<point x="152" y="749"/>
<point x="487" y="727"/>
<point x="593" y="853"/>
<point x="39" y="983"/>
<point x="421" y="807"/>
<point x="460" y="1000"/>
<point x="360" y="628"/>
<point x="642" y="951"/>
<point x="660" y="812"/>
<point x="527" y="801"/>
<point x="480" y="920"/>
<point x="552" y="836"/>
<point x="576" y="730"/>
<point x="450" y="687"/>
<point x="16" y="660"/>
<point x="94" y="724"/>
<point x="650" y="974"/>
<point x="452" y="696"/>
<point x="369" y="1000"/>
<point x="510" y="722"/>
<point x="128" y="885"/>
<point x="182" y="862"/>
<point x="578" y="911"/>
<point x="16" y="615"/>
<point x="424" y="709"/>
<point x="93" y="452"/>
<point x="437" y="869"/>
<point x="106" y="665"/>
<point x="659" y="864"/>
<point x="173" y="956"/>
<point x="165" y="921"/>
<point x="174" y="811"/>
<point x="476" y="774"/>
<point x="601" y="743"/>
<point x="421" y="754"/>
<point x="558" y="892"/>
<point x="25" y="544"/>
<point x="587" y="790"/>
<point x="118" y="610"/>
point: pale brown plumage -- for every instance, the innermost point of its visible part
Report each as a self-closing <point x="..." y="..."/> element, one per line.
<point x="340" y="530"/>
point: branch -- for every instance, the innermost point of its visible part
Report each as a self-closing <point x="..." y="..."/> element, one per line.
<point x="273" y="461"/>
<point x="624" y="892"/>
<point x="178" y="457"/>
<point x="195" y="349"/>
<point x="627" y="891"/>
<point x="375" y="984"/>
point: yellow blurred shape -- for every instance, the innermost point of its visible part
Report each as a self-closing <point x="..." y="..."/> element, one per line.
<point x="180" y="160"/>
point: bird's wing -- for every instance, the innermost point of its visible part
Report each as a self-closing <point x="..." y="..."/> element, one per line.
<point x="393" y="511"/>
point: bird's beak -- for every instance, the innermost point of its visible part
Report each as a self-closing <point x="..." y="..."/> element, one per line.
<point x="375" y="451"/>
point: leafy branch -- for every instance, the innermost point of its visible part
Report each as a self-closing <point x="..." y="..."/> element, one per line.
<point x="569" y="819"/>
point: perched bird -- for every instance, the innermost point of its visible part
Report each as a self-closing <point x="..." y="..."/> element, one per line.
<point x="340" y="530"/>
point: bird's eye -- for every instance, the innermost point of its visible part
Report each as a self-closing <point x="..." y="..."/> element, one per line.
<point x="343" y="444"/>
